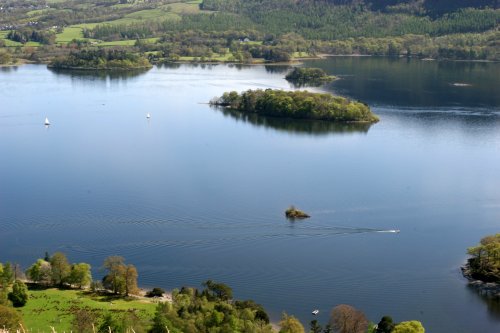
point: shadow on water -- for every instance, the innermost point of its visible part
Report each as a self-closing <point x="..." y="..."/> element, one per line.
<point x="8" y="69"/>
<point x="295" y="126"/>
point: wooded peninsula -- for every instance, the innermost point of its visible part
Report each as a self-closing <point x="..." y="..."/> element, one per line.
<point x="296" y="104"/>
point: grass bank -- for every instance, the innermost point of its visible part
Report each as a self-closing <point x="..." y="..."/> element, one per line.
<point x="54" y="307"/>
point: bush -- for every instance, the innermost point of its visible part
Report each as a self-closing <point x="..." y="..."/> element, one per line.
<point x="19" y="294"/>
<point x="9" y="318"/>
<point x="156" y="292"/>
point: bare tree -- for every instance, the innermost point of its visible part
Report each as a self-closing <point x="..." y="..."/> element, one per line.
<point x="346" y="319"/>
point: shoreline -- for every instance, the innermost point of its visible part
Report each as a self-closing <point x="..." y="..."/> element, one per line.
<point x="490" y="290"/>
<point x="294" y="61"/>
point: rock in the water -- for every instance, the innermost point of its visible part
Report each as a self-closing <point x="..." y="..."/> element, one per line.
<point x="294" y="213"/>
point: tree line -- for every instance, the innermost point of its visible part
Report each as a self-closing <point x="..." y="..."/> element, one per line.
<point x="101" y="59"/>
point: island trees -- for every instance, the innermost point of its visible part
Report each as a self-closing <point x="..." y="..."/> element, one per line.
<point x="484" y="264"/>
<point x="297" y="104"/>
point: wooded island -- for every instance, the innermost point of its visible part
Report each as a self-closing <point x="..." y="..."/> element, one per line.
<point x="297" y="104"/>
<point x="100" y="59"/>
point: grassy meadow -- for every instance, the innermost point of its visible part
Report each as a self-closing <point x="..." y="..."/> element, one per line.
<point x="54" y="307"/>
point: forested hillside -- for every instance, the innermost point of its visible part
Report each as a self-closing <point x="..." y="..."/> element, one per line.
<point x="251" y="30"/>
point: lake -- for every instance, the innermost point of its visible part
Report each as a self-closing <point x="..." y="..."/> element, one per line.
<point x="195" y="193"/>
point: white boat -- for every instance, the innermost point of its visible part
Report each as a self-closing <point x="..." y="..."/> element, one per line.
<point x="148" y="116"/>
<point x="315" y="312"/>
<point x="47" y="122"/>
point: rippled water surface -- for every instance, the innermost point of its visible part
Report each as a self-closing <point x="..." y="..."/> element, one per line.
<point x="196" y="193"/>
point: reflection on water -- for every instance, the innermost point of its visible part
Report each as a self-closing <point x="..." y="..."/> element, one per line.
<point x="412" y="82"/>
<point x="196" y="193"/>
<point x="102" y="75"/>
<point x="280" y="69"/>
<point x="296" y="126"/>
<point x="492" y="304"/>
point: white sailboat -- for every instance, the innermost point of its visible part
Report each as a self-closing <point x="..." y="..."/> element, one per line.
<point x="47" y="122"/>
<point x="148" y="116"/>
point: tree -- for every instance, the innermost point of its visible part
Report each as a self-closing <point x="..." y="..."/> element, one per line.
<point x="19" y="294"/>
<point x="130" y="280"/>
<point x="346" y="319"/>
<point x="315" y="327"/>
<point x="9" y="318"/>
<point x="114" y="278"/>
<point x="5" y="57"/>
<point x="216" y="290"/>
<point x="386" y="325"/>
<point x="40" y="272"/>
<point x="7" y="275"/>
<point x="290" y="324"/>
<point x="156" y="292"/>
<point x="110" y="324"/>
<point x="80" y="275"/>
<point x="413" y="326"/>
<point x="60" y="268"/>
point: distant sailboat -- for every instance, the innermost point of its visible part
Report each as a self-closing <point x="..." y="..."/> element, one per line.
<point x="148" y="116"/>
<point x="47" y="122"/>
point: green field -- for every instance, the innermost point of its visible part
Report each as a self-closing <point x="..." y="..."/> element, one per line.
<point x="128" y="42"/>
<point x="8" y="42"/>
<point x="68" y="34"/>
<point x="54" y="307"/>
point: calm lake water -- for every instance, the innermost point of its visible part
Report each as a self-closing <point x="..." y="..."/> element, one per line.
<point x="195" y="193"/>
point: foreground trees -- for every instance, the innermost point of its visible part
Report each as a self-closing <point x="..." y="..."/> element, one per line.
<point x="409" y="327"/>
<point x="19" y="294"/>
<point x="346" y="319"/>
<point x="9" y="318"/>
<point x="56" y="271"/>
<point x="121" y="278"/>
<point x="209" y="311"/>
<point x="290" y="324"/>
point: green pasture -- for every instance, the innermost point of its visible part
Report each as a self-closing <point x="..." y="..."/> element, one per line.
<point x="54" y="307"/>
<point x="68" y="34"/>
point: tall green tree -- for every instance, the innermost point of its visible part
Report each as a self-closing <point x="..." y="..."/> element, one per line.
<point x="130" y="277"/>
<point x="60" y="268"/>
<point x="80" y="275"/>
<point x="386" y="325"/>
<point x="7" y="275"/>
<point x="40" y="272"/>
